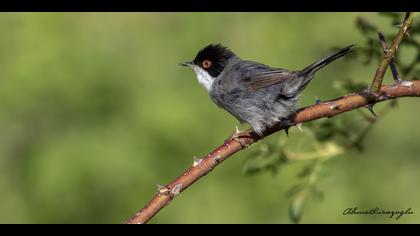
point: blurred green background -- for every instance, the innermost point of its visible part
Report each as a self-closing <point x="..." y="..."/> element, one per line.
<point x="94" y="111"/>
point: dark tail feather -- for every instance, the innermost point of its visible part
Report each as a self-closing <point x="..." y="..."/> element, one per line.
<point x="325" y="61"/>
<point x="307" y="74"/>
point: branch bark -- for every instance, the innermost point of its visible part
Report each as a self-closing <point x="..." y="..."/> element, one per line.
<point x="326" y="109"/>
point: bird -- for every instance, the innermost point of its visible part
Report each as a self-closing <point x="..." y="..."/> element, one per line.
<point x="253" y="92"/>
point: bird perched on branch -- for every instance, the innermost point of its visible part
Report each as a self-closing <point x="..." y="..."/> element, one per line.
<point x="251" y="91"/>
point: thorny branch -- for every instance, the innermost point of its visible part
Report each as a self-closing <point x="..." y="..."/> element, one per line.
<point x="392" y="65"/>
<point x="202" y="167"/>
<point x="380" y="72"/>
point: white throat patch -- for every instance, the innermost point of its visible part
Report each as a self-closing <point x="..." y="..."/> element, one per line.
<point x="204" y="78"/>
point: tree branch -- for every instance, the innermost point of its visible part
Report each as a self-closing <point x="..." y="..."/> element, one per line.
<point x="326" y="109"/>
<point x="202" y="167"/>
<point x="392" y="65"/>
<point x="380" y="72"/>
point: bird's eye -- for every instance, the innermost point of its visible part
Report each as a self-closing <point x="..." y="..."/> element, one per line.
<point x="206" y="64"/>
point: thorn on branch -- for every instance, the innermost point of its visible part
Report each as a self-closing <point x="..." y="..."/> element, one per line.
<point x="237" y="130"/>
<point x="163" y="190"/>
<point x="335" y="106"/>
<point x="196" y="161"/>
<point x="299" y="126"/>
<point x="370" y="108"/>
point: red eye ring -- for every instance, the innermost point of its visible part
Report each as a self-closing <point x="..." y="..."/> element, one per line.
<point x="206" y="64"/>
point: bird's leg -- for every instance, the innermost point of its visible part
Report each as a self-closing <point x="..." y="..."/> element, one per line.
<point x="238" y="135"/>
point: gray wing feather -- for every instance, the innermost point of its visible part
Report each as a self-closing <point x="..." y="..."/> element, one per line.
<point x="273" y="76"/>
<point x="270" y="78"/>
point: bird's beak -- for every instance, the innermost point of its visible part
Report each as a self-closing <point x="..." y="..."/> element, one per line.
<point x="188" y="63"/>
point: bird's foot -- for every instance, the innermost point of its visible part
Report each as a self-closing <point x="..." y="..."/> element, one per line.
<point x="238" y="135"/>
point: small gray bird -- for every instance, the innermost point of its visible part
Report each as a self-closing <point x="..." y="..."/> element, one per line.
<point x="253" y="92"/>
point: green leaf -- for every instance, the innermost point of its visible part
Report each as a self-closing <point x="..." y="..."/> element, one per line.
<point x="296" y="207"/>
